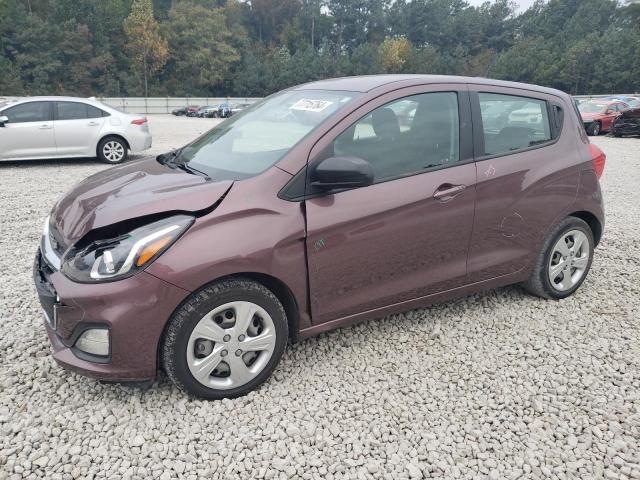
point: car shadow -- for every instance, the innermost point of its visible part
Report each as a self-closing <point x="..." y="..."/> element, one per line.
<point x="50" y="161"/>
<point x="72" y="162"/>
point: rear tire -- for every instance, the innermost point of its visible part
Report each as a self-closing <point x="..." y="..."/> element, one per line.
<point x="228" y="322"/>
<point x="112" y="150"/>
<point x="564" y="262"/>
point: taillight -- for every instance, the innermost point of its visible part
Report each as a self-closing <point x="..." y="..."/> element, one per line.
<point x="598" y="158"/>
<point x="139" y="121"/>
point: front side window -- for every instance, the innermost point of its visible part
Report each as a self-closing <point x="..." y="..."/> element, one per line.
<point x="255" y="139"/>
<point x="29" y="112"/>
<point x="405" y="136"/>
<point x="512" y="123"/>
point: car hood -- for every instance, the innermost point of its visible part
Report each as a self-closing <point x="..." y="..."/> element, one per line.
<point x="135" y="189"/>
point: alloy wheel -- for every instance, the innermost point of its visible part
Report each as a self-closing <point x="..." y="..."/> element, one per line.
<point x="569" y="260"/>
<point x="231" y="345"/>
<point x="113" y="151"/>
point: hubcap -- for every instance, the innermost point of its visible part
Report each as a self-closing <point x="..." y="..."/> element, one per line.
<point x="113" y="151"/>
<point x="569" y="260"/>
<point x="230" y="345"/>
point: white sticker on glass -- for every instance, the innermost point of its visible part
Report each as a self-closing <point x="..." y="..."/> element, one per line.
<point x="308" y="105"/>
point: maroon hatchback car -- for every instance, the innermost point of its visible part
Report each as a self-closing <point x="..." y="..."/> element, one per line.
<point x="325" y="204"/>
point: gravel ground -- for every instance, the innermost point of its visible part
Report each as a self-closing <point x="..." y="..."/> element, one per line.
<point x="498" y="385"/>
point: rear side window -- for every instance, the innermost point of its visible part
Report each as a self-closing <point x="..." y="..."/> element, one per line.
<point x="512" y="123"/>
<point x="77" y="111"/>
<point x="406" y="136"/>
<point x="94" y="112"/>
<point x="29" y="112"/>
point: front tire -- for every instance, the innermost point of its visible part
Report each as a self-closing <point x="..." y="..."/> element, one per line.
<point x="225" y="340"/>
<point x="564" y="262"/>
<point x="112" y="150"/>
<point x="594" y="129"/>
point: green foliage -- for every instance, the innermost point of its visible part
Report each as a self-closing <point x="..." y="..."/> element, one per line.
<point x="393" y="54"/>
<point x="202" y="37"/>
<point x="236" y="47"/>
<point x="145" y="43"/>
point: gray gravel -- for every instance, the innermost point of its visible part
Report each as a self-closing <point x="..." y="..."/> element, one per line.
<point x="498" y="385"/>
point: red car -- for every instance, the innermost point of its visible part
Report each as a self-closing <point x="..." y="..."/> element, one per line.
<point x="314" y="209"/>
<point x="598" y="116"/>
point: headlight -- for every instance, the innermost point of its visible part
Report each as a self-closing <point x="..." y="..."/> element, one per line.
<point x="123" y="255"/>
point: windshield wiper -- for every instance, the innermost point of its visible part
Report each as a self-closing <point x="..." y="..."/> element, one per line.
<point x="194" y="171"/>
<point x="169" y="159"/>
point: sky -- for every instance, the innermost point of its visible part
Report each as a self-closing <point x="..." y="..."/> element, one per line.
<point x="522" y="4"/>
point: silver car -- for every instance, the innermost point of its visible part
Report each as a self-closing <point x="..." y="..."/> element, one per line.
<point x="66" y="127"/>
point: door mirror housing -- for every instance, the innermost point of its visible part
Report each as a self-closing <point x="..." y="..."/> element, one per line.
<point x="3" y="119"/>
<point x="342" y="172"/>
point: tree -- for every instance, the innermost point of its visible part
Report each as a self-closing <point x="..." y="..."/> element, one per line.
<point x="144" y="41"/>
<point x="393" y="54"/>
<point x="254" y="47"/>
<point x="202" y="54"/>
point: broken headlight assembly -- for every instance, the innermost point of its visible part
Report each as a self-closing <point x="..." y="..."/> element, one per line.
<point x="123" y="255"/>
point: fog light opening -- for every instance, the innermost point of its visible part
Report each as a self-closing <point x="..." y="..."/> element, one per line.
<point x="94" y="341"/>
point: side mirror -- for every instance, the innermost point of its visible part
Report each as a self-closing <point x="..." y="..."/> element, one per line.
<point x="342" y="172"/>
<point x="3" y="119"/>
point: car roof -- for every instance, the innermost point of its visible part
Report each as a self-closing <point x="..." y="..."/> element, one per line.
<point x="57" y="98"/>
<point x="54" y="98"/>
<point x="366" y="83"/>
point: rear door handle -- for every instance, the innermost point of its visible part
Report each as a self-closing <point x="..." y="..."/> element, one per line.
<point x="93" y="124"/>
<point x="45" y="127"/>
<point x="447" y="191"/>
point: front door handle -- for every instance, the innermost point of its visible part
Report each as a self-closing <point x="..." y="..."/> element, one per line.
<point x="45" y="127"/>
<point x="447" y="191"/>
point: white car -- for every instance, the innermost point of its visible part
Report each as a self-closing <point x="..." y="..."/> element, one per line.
<point x="67" y="127"/>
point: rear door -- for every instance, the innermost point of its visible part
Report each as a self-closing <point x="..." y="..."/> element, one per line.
<point x="77" y="126"/>
<point x="406" y="236"/>
<point x="526" y="176"/>
<point x="29" y="132"/>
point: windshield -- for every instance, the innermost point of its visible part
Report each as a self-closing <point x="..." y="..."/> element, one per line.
<point x="255" y="139"/>
<point x="589" y="107"/>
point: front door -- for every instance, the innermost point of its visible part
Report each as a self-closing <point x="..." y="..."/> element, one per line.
<point x="407" y="235"/>
<point x="29" y="132"/>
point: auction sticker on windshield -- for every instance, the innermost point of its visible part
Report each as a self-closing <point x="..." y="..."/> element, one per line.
<point x="309" y="105"/>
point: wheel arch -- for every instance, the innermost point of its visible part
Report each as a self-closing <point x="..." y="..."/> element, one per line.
<point x="282" y="292"/>
<point x="592" y="221"/>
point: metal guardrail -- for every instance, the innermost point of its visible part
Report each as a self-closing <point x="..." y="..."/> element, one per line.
<point x="591" y="97"/>
<point x="159" y="105"/>
<point x="151" y="105"/>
